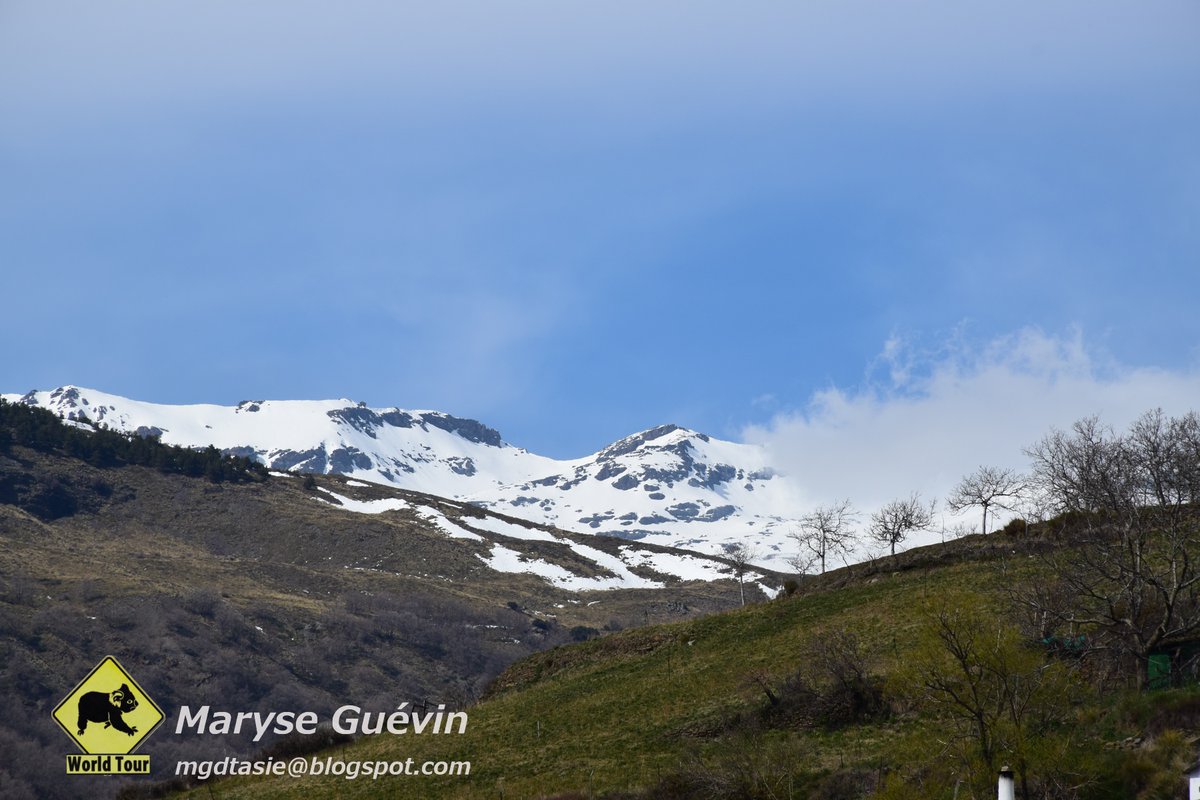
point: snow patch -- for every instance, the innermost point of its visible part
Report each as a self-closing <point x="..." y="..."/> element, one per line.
<point x="502" y="559"/>
<point x="688" y="568"/>
<point x="451" y="529"/>
<point x="511" y="529"/>
<point x="366" y="506"/>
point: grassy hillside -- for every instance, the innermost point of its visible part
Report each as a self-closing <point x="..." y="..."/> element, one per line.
<point x="257" y="594"/>
<point x="686" y="710"/>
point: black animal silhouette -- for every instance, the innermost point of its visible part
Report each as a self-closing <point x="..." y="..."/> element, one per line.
<point x="107" y="708"/>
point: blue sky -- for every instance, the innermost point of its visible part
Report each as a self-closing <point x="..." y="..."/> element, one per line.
<point x="578" y="220"/>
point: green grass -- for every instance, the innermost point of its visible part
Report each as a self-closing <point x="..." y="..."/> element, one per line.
<point x="624" y="711"/>
<point x="627" y="712"/>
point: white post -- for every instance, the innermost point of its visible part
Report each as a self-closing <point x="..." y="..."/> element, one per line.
<point x="1007" y="790"/>
<point x="1193" y="788"/>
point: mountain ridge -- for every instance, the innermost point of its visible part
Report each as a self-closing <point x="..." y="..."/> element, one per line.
<point x="281" y="590"/>
<point x="668" y="485"/>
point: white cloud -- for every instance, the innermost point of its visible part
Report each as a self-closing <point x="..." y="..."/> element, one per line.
<point x="944" y="414"/>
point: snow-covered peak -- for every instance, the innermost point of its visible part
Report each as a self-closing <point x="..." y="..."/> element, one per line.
<point x="662" y="436"/>
<point x="287" y="421"/>
<point x="667" y="485"/>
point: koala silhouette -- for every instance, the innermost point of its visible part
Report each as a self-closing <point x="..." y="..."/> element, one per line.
<point x="107" y="708"/>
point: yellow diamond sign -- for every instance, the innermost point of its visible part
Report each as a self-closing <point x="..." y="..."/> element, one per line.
<point x="108" y="713"/>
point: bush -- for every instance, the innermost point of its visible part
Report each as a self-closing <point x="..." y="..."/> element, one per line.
<point x="1179" y="713"/>
<point x="1155" y="772"/>
<point x="835" y="688"/>
<point x="1015" y="527"/>
<point x="844" y="785"/>
<point x="202" y="602"/>
<point x="581" y="633"/>
<point x="51" y="499"/>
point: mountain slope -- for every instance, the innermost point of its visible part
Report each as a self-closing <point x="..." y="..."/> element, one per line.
<point x="276" y="594"/>
<point x="731" y="705"/>
<point x="667" y="485"/>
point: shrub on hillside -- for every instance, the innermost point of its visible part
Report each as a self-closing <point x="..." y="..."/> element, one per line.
<point x="1015" y="527"/>
<point x="836" y="687"/>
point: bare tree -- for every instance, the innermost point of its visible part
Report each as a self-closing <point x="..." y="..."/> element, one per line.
<point x="741" y="554"/>
<point x="1000" y="692"/>
<point x="1133" y="582"/>
<point x="988" y="487"/>
<point x="824" y="533"/>
<point x="892" y="524"/>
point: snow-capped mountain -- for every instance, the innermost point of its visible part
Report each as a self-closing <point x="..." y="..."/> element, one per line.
<point x="667" y="485"/>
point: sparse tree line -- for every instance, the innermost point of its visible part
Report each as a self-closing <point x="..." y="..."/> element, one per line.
<point x="1029" y="663"/>
<point x="1086" y="616"/>
<point x="1128" y="584"/>
<point x="1131" y="585"/>
<point x="1151" y="471"/>
<point x="828" y="532"/>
